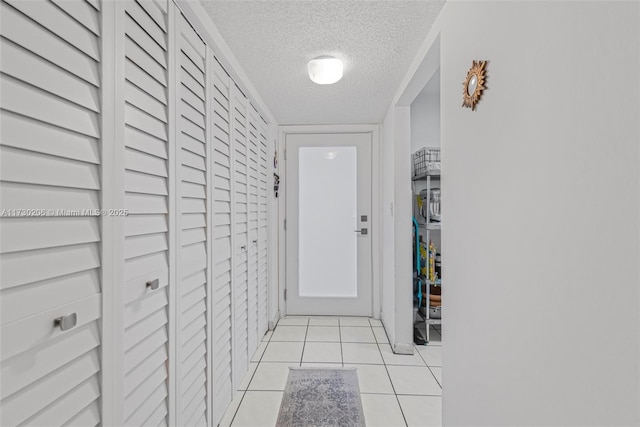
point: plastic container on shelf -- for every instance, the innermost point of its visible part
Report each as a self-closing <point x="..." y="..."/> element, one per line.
<point x="435" y="312"/>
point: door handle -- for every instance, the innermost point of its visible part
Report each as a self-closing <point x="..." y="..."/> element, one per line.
<point x="66" y="322"/>
<point x="363" y="231"/>
<point x="153" y="284"/>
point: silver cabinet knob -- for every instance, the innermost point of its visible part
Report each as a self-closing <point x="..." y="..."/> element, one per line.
<point x="66" y="322"/>
<point x="153" y="284"/>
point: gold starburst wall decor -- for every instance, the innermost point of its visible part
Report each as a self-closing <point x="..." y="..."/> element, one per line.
<point x="474" y="84"/>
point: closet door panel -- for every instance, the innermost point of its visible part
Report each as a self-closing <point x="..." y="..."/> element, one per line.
<point x="50" y="185"/>
<point x="222" y="250"/>
<point x="239" y="112"/>
<point x="252" y="223"/>
<point x="263" y="232"/>
<point x="193" y="227"/>
<point x="146" y="228"/>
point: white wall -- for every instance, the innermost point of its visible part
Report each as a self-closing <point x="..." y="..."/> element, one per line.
<point x="425" y="116"/>
<point x="397" y="298"/>
<point x="542" y="238"/>
<point x="275" y="222"/>
<point x="388" y="236"/>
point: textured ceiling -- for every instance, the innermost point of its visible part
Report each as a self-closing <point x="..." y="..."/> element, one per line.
<point x="274" y="40"/>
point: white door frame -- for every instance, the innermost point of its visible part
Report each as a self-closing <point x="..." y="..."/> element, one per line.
<point x="376" y="209"/>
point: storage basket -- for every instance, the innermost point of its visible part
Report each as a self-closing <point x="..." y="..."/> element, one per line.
<point x="435" y="312"/>
<point x="425" y="160"/>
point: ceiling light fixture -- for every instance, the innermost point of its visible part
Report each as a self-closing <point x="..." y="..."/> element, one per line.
<point x="325" y="70"/>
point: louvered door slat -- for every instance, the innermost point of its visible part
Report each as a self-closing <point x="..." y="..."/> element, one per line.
<point x="53" y="18"/>
<point x="21" y="132"/>
<point x="149" y="366"/>
<point x="146" y="228"/>
<point x="136" y="55"/>
<point x="89" y="417"/>
<point x="23" y="31"/>
<point x="86" y="394"/>
<point x="155" y="12"/>
<point x="44" y="75"/>
<point x="82" y="12"/>
<point x="53" y="355"/>
<point x="50" y="155"/>
<point x="141" y="350"/>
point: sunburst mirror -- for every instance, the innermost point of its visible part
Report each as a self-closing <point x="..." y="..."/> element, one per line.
<point x="474" y="84"/>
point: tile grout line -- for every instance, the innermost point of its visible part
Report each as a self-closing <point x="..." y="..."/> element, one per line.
<point x="393" y="386"/>
<point x="237" y="409"/>
<point x="244" y="392"/>
<point x="425" y="362"/>
<point x="304" y="343"/>
<point x="340" y="336"/>
<point x="434" y="376"/>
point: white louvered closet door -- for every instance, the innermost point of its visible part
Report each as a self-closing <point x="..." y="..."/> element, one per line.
<point x="50" y="151"/>
<point x="193" y="227"/>
<point x="263" y="232"/>
<point x="239" y="129"/>
<point x="146" y="186"/>
<point x="222" y="225"/>
<point x="252" y="197"/>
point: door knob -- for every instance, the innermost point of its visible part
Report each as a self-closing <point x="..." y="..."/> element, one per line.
<point x="363" y="231"/>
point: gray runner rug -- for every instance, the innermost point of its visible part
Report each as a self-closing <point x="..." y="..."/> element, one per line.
<point x="321" y="397"/>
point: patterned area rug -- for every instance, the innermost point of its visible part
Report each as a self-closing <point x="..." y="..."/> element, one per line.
<point x="321" y="397"/>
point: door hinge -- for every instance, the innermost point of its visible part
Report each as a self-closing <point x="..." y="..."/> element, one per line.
<point x="285" y="224"/>
<point x="285" y="154"/>
<point x="285" y="294"/>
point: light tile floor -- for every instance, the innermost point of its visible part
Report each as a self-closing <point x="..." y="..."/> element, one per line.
<point x="396" y="390"/>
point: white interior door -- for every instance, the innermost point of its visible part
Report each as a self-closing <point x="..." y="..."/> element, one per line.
<point x="252" y="221"/>
<point x="147" y="196"/>
<point x="240" y="231"/>
<point x="222" y="247"/>
<point x="192" y="223"/>
<point x="328" y="205"/>
<point x="263" y="231"/>
<point x="50" y="171"/>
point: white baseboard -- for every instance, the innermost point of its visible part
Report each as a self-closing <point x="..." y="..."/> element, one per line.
<point x="272" y="323"/>
<point x="401" y="348"/>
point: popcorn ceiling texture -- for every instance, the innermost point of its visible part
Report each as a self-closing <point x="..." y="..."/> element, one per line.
<point x="274" y="40"/>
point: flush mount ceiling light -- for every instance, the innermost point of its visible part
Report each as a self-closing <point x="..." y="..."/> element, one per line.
<point x="325" y="70"/>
